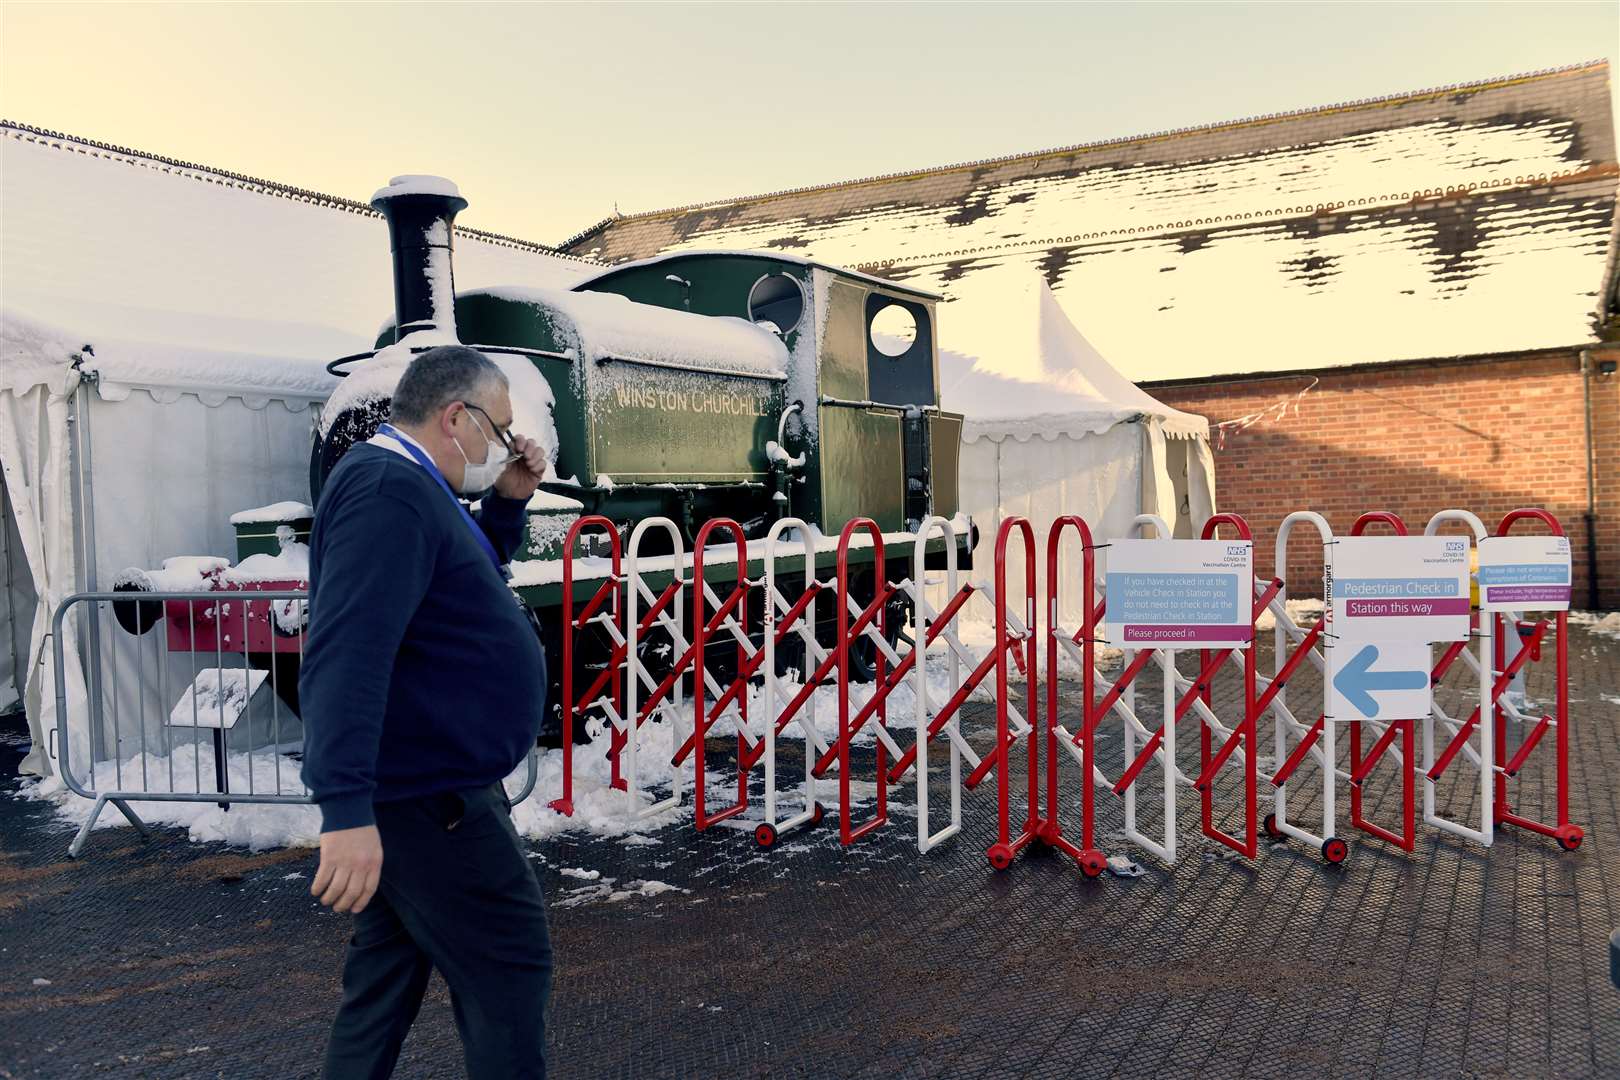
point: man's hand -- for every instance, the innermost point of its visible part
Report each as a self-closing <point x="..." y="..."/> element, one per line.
<point x="351" y="864"/>
<point x="523" y="475"/>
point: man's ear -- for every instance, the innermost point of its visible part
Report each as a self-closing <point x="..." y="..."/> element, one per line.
<point x="447" y="417"/>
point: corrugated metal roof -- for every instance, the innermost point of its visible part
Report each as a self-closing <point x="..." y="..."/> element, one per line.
<point x="1462" y="221"/>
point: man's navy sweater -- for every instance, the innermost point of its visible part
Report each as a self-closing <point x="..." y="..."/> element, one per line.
<point x="421" y="674"/>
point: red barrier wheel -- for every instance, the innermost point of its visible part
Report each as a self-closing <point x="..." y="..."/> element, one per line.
<point x="1270" y="825"/>
<point x="1335" y="851"/>
<point x="1001" y="856"/>
<point x="1092" y="863"/>
<point x="765" y="835"/>
<point x="817" y="814"/>
<point x="1569" y="837"/>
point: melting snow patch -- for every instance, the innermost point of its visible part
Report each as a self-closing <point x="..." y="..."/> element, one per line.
<point x="1603" y="625"/>
<point x="583" y="875"/>
<point x="1120" y="866"/>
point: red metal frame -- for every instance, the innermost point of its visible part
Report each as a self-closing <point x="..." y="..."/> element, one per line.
<point x="1007" y="845"/>
<point x="1569" y="836"/>
<point x="606" y="593"/>
<point x="1091" y="860"/>
<point x="702" y="719"/>
<point x="1362" y="767"/>
<point x="874" y="611"/>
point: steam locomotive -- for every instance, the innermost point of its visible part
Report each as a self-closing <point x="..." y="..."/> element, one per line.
<point x="692" y="386"/>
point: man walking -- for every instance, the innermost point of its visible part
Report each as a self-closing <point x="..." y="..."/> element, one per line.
<point x="422" y="687"/>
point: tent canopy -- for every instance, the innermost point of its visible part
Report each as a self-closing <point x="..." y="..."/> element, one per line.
<point x="1015" y="366"/>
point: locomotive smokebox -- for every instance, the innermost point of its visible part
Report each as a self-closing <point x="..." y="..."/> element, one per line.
<point x="420" y="211"/>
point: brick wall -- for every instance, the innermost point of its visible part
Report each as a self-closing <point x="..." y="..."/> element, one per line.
<point x="1484" y="435"/>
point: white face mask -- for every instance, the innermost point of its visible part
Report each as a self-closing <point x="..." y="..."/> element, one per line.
<point x="481" y="476"/>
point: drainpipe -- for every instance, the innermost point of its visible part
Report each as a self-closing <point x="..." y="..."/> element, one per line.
<point x="1591" y="487"/>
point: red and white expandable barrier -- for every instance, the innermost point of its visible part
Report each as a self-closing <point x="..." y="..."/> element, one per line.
<point x="1220" y="745"/>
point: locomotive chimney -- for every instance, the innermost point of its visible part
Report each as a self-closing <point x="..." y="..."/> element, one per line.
<point x="420" y="211"/>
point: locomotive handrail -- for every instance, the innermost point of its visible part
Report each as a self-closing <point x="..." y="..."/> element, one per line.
<point x="332" y="368"/>
<point x="767" y="376"/>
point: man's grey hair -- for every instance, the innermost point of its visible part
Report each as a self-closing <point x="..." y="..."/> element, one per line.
<point x="442" y="375"/>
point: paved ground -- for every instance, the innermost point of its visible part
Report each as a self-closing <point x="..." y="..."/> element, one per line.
<point x="178" y="959"/>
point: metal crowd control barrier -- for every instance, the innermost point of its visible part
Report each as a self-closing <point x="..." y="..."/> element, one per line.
<point x="1532" y="638"/>
<point x="204" y="714"/>
<point x="233" y="717"/>
<point x="1013" y="637"/>
<point x="722" y="690"/>
<point x="1180" y="695"/>
<point x="1497" y="766"/>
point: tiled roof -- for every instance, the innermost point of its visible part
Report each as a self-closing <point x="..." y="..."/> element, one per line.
<point x="1460" y="221"/>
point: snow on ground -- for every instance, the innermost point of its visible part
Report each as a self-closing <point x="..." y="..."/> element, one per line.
<point x="1603" y="625"/>
<point x="1303" y="612"/>
<point x="190" y="768"/>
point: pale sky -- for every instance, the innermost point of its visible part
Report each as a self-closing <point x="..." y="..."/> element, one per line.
<point x="550" y="115"/>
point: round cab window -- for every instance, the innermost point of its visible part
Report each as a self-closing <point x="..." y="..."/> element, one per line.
<point x="776" y="303"/>
<point x="894" y="331"/>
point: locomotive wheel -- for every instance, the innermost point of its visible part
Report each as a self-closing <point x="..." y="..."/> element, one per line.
<point x="765" y="835"/>
<point x="1270" y="825"/>
<point x="1000" y="855"/>
<point x="1569" y="837"/>
<point x="1092" y="863"/>
<point x="1335" y="851"/>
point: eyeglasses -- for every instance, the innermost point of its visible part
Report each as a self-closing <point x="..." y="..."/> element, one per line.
<point x="501" y="433"/>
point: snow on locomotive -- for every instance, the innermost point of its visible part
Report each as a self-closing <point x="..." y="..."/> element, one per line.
<point x="691" y="386"/>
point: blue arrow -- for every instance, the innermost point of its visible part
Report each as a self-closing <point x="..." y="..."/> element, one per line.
<point x="1356" y="681"/>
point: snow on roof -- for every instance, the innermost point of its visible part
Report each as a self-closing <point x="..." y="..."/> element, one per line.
<point x="1014" y="365"/>
<point x="35" y="353"/>
<point x="775" y="256"/>
<point x="609" y="326"/>
<point x="110" y="243"/>
<point x="1457" y="222"/>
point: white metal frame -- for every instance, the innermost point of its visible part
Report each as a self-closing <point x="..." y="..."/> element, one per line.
<point x="814" y="744"/>
<point x="673" y="620"/>
<point x="1285" y="635"/>
<point x="924" y="617"/>
<point x="1484" y="669"/>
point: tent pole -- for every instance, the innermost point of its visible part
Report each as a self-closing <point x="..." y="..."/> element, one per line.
<point x="19" y="674"/>
<point x="84" y="569"/>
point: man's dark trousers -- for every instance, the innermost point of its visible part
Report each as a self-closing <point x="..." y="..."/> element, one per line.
<point x="457" y="894"/>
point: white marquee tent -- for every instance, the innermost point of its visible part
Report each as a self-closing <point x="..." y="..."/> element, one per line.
<point x="1053" y="429"/>
<point x="181" y="280"/>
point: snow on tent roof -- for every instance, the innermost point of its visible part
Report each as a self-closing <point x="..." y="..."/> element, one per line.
<point x="109" y="243"/>
<point x="1461" y="221"/>
<point x="611" y="326"/>
<point x="34" y="353"/>
<point x="1014" y="364"/>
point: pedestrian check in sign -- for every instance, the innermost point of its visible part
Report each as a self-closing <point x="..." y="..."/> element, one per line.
<point x="1397" y="588"/>
<point x="1165" y="594"/>
<point x="1386" y="599"/>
